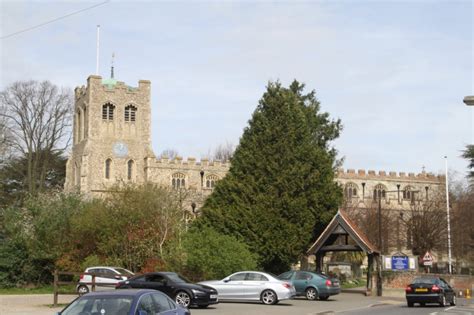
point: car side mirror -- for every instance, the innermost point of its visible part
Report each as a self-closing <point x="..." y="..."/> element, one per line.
<point x="226" y="280"/>
<point x="165" y="282"/>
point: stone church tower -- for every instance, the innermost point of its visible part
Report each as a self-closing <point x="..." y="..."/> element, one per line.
<point x="111" y="135"/>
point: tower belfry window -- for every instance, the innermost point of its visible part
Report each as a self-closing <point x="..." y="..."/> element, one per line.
<point x="108" y="112"/>
<point x="108" y="166"/>
<point x="130" y="113"/>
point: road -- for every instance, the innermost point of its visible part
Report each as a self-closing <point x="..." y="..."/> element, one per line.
<point x="344" y="304"/>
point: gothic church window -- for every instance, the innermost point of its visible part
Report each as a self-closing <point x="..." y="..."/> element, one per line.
<point x="408" y="193"/>
<point x="108" y="111"/>
<point x="130" y="113"/>
<point x="108" y="168"/>
<point x="130" y="169"/>
<point x="178" y="180"/>
<point x="350" y="191"/>
<point x="211" y="181"/>
<point x="379" y="192"/>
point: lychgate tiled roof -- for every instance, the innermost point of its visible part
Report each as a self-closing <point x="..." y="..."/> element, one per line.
<point x="341" y="223"/>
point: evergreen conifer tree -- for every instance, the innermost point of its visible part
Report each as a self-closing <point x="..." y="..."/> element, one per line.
<point x="280" y="189"/>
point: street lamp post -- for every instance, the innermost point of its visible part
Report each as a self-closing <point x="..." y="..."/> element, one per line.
<point x="469" y="101"/>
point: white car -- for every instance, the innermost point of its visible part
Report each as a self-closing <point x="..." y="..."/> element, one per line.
<point x="252" y="286"/>
<point x="105" y="278"/>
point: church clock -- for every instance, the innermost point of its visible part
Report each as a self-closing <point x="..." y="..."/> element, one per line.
<point x="120" y="149"/>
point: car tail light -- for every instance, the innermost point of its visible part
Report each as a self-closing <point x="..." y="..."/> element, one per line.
<point x="328" y="283"/>
<point x="408" y="289"/>
<point x="435" y="288"/>
<point x="286" y="285"/>
<point x="81" y="277"/>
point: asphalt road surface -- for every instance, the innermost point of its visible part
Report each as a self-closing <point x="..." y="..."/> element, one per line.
<point x="344" y="304"/>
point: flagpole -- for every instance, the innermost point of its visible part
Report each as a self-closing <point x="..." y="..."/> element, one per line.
<point x="97" y="51"/>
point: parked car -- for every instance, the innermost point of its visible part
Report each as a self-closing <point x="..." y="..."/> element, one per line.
<point x="430" y="290"/>
<point x="105" y="278"/>
<point x="124" y="302"/>
<point x="312" y="285"/>
<point x="184" y="292"/>
<point x="252" y="286"/>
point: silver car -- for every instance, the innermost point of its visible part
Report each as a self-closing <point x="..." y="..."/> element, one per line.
<point x="252" y="286"/>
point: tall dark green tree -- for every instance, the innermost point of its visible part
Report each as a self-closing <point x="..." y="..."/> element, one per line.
<point x="468" y="154"/>
<point x="280" y="190"/>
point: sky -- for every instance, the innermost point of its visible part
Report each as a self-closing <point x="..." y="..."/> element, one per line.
<point x="394" y="72"/>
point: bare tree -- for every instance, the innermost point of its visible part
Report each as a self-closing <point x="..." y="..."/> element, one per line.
<point x="38" y="116"/>
<point x="426" y="225"/>
<point x="462" y="224"/>
<point x="224" y="152"/>
<point x="169" y="153"/>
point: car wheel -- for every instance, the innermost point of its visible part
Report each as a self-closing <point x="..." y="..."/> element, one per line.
<point x="422" y="304"/>
<point x="442" y="303"/>
<point x="324" y="298"/>
<point x="183" y="299"/>
<point x="268" y="297"/>
<point x="82" y="289"/>
<point x="203" y="306"/>
<point x="410" y="304"/>
<point x="311" y="294"/>
<point x="453" y="301"/>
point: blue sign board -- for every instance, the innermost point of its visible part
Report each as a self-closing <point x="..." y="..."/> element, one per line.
<point x="399" y="263"/>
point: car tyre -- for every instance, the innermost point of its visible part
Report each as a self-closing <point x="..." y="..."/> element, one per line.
<point x="82" y="289"/>
<point x="311" y="294"/>
<point x="442" y="303"/>
<point x="410" y="304"/>
<point x="453" y="301"/>
<point x="422" y="304"/>
<point x="268" y="297"/>
<point x="324" y="298"/>
<point x="182" y="298"/>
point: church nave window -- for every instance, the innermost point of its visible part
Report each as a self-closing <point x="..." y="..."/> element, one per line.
<point x="350" y="191"/>
<point x="130" y="113"/>
<point x="108" y="112"/>
<point x="211" y="181"/>
<point x="178" y="181"/>
<point x="379" y="192"/>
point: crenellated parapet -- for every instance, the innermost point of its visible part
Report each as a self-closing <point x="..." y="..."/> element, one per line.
<point x="388" y="176"/>
<point x="191" y="161"/>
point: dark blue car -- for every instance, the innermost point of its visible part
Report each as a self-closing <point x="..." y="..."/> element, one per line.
<point x="124" y="302"/>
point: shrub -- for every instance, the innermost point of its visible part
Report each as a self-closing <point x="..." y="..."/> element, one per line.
<point x="211" y="255"/>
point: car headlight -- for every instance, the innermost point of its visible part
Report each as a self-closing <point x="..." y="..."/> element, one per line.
<point x="198" y="291"/>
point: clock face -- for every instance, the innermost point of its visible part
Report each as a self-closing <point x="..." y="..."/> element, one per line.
<point x="120" y="149"/>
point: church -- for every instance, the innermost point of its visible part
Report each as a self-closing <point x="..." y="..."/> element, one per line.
<point x="112" y="145"/>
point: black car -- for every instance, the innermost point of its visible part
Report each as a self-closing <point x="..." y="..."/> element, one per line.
<point x="175" y="286"/>
<point x="430" y="290"/>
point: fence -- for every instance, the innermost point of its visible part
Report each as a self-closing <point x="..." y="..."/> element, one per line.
<point x="58" y="282"/>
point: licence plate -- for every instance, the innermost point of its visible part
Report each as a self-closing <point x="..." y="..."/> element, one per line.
<point x="421" y="290"/>
<point x="213" y="296"/>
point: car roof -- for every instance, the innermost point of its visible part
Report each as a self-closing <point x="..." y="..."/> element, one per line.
<point x="122" y="292"/>
<point x="106" y="267"/>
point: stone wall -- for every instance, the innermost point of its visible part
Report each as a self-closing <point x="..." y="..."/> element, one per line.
<point x="399" y="280"/>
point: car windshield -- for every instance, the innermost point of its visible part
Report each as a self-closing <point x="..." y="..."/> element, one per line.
<point x="177" y="278"/>
<point x="425" y="280"/>
<point x="113" y="305"/>
<point x="124" y="272"/>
